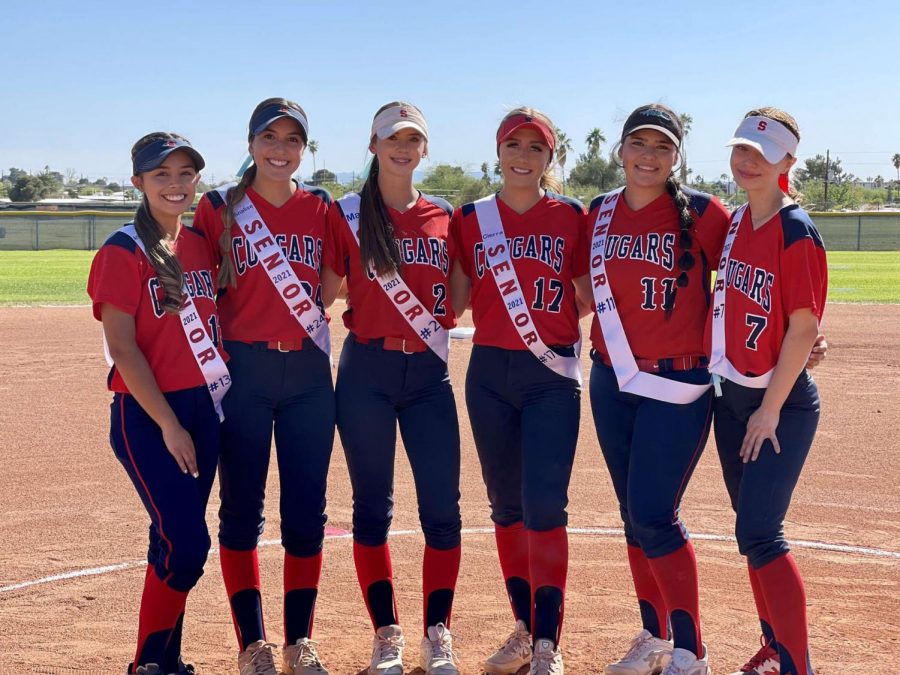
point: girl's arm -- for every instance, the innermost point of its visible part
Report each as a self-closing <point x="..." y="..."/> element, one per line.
<point x="460" y="289"/>
<point x="331" y="285"/>
<point x="584" y="295"/>
<point x="118" y="327"/>
<point x="803" y="329"/>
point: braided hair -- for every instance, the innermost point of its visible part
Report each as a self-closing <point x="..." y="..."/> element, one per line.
<point x="159" y="251"/>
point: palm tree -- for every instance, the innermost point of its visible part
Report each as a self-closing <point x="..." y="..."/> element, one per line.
<point x="313" y="147"/>
<point x="686" y="122"/>
<point x="896" y="162"/>
<point x="563" y="148"/>
<point x="594" y="139"/>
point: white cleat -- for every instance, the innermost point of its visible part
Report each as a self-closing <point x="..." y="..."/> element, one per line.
<point x="686" y="663"/>
<point x="437" y="657"/>
<point x="258" y="659"/>
<point x="547" y="659"/>
<point x="387" y="651"/>
<point x="514" y="653"/>
<point x="646" y="655"/>
<point x="301" y="658"/>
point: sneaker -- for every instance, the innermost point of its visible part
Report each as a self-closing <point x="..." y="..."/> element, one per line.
<point x="546" y="660"/>
<point x="436" y="652"/>
<point x="258" y="659"/>
<point x="764" y="662"/>
<point x="514" y="653"/>
<point x="148" y="669"/>
<point x="387" y="651"/>
<point x="684" y="662"/>
<point x="646" y="655"/>
<point x="301" y="658"/>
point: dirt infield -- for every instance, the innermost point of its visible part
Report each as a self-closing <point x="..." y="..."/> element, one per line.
<point x="66" y="505"/>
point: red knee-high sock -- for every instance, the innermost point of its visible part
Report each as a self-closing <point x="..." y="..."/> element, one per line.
<point x="440" y="569"/>
<point x="161" y="608"/>
<point x="301" y="587"/>
<point x="782" y="587"/>
<point x="240" y="572"/>
<point x="676" y="576"/>
<point x="548" y="558"/>
<point x="376" y="579"/>
<point x="652" y="604"/>
<point x="762" y="610"/>
<point x="512" y="549"/>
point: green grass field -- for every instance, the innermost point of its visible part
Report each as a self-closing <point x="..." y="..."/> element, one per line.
<point x="59" y="277"/>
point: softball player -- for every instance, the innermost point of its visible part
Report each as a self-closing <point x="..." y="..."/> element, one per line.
<point x="267" y="233"/>
<point x="769" y="297"/>
<point x="652" y="248"/>
<point x="517" y="261"/>
<point x="391" y="244"/>
<point x="151" y="285"/>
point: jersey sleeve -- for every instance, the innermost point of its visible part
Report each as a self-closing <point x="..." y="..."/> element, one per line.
<point x="582" y="254"/>
<point x="335" y="254"/>
<point x="804" y="278"/>
<point x="712" y="229"/>
<point x="115" y="278"/>
<point x="208" y="221"/>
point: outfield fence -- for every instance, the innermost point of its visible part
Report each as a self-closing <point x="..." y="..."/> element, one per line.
<point x="87" y="230"/>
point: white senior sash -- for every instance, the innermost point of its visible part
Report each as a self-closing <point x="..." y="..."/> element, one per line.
<point x="301" y="306"/>
<point x="719" y="365"/>
<point x="630" y="378"/>
<point x="496" y="252"/>
<point x="210" y="362"/>
<point x="417" y="316"/>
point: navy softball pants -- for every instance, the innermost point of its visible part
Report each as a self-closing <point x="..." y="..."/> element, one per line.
<point x="525" y="423"/>
<point x="292" y="393"/>
<point x="377" y="389"/>
<point x="651" y="448"/>
<point x="761" y="491"/>
<point x="175" y="501"/>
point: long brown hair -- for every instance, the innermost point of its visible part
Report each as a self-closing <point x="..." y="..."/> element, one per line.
<point x="377" y="246"/>
<point x="162" y="258"/>
<point x="227" y="274"/>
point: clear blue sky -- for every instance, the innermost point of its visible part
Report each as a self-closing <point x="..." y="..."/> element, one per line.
<point x="83" y="80"/>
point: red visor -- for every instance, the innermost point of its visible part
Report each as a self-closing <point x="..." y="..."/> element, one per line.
<point x="515" y="122"/>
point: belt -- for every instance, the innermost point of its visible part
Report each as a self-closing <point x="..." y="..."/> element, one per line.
<point x="676" y="364"/>
<point x="284" y="345"/>
<point x="393" y="344"/>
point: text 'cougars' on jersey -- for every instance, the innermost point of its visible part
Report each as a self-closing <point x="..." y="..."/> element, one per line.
<point x="754" y="282"/>
<point x="199" y="284"/>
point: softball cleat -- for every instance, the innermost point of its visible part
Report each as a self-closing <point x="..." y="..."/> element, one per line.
<point x="514" y="653"/>
<point x="646" y="655"/>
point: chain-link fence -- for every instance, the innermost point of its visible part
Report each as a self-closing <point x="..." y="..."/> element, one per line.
<point x="87" y="230"/>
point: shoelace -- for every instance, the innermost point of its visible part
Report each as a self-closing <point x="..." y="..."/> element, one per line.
<point x="307" y="655"/>
<point x="443" y="649"/>
<point x="389" y="647"/>
<point x="636" y="645"/>
<point x="517" y="641"/>
<point x="263" y="659"/>
<point x="765" y="652"/>
<point x="543" y="663"/>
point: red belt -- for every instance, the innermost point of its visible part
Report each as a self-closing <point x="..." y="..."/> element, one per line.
<point x="671" y="365"/>
<point x="393" y="344"/>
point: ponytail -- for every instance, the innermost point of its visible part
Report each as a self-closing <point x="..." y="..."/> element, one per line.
<point x="685" y="239"/>
<point x="162" y="258"/>
<point x="227" y="276"/>
<point x="549" y="181"/>
<point x="377" y="247"/>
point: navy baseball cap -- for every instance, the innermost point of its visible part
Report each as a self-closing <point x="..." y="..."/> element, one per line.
<point x="153" y="154"/>
<point x="656" y="119"/>
<point x="264" y="118"/>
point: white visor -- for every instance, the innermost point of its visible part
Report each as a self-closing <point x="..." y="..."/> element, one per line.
<point x="389" y="122"/>
<point x="770" y="137"/>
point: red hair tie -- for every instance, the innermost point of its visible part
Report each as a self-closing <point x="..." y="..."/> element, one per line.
<point x="784" y="183"/>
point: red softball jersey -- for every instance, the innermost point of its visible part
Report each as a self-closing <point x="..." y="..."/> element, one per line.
<point x="252" y="311"/>
<point x="122" y="276"/>
<point x="426" y="252"/>
<point x="772" y="272"/>
<point x="545" y="245"/>
<point x="642" y="252"/>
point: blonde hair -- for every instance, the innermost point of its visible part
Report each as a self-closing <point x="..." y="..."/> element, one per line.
<point x="549" y="181"/>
